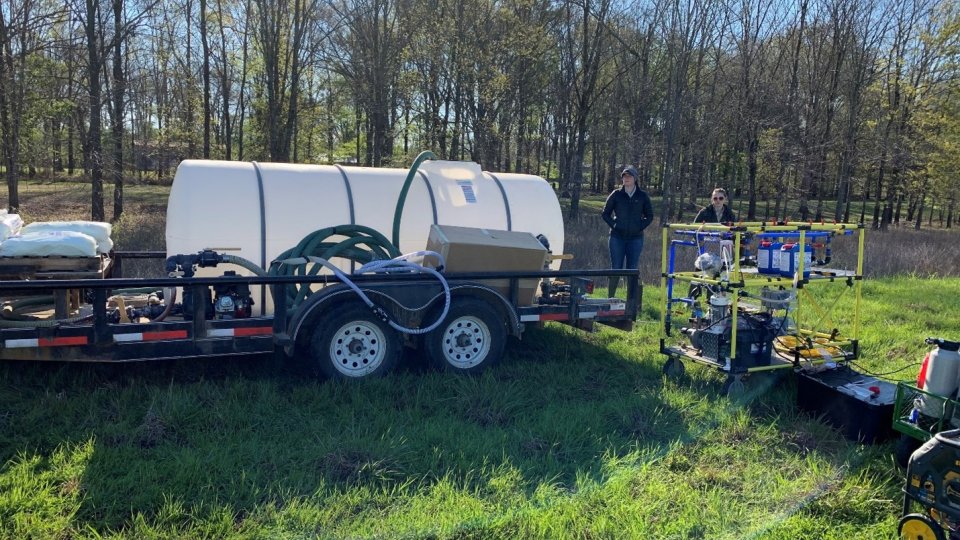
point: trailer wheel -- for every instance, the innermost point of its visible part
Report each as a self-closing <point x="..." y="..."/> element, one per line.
<point x="735" y="387"/>
<point x="673" y="368"/>
<point x="471" y="339"/>
<point x="350" y="342"/>
<point x="919" y="527"/>
<point x="906" y="445"/>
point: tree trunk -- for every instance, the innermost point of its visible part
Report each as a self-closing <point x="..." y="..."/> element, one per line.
<point x="119" y="92"/>
<point x="94" y="146"/>
<point x="225" y="85"/>
<point x="752" y="148"/>
<point x="205" y="45"/>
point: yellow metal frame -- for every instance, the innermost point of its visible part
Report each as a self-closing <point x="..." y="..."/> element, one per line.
<point x="737" y="280"/>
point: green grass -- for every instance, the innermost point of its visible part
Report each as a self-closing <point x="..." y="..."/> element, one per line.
<point x="575" y="435"/>
<point x="55" y="199"/>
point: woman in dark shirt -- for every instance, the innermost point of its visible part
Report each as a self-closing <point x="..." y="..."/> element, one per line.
<point x="717" y="211"/>
<point x="628" y="212"/>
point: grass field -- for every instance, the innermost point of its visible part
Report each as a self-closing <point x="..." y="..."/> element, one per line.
<point x="574" y="435"/>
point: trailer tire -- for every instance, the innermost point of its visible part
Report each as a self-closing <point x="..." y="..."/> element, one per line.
<point x="351" y="343"/>
<point x="735" y="387"/>
<point x="673" y="368"/>
<point x="906" y="445"/>
<point x="470" y="339"/>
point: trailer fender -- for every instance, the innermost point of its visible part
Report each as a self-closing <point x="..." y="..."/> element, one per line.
<point x="492" y="297"/>
<point x="302" y="321"/>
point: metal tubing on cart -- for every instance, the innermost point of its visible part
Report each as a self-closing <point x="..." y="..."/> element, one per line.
<point x="663" y="281"/>
<point x="695" y="277"/>
<point x="735" y="305"/>
<point x="858" y="284"/>
<point x="798" y="275"/>
<point x="765" y="227"/>
<point x="670" y="266"/>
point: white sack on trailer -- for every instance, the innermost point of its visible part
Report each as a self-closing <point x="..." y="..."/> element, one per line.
<point x="98" y="230"/>
<point x="10" y="225"/>
<point x="46" y="244"/>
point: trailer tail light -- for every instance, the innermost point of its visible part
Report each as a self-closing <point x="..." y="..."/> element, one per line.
<point x="922" y="376"/>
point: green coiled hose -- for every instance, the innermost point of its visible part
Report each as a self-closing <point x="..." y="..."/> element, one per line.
<point x="362" y="244"/>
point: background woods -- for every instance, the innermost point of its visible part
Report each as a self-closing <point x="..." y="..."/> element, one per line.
<point x="845" y="109"/>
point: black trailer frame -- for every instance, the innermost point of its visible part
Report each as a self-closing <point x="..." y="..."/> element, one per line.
<point x="100" y="340"/>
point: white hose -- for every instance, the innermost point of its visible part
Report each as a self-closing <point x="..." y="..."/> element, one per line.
<point x="395" y="266"/>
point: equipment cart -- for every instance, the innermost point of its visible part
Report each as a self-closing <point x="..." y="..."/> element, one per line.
<point x="930" y="406"/>
<point x="759" y="297"/>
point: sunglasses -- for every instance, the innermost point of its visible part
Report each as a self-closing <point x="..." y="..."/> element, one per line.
<point x="718" y="198"/>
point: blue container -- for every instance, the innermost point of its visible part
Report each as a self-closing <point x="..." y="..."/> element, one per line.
<point x="768" y="257"/>
<point x="790" y="260"/>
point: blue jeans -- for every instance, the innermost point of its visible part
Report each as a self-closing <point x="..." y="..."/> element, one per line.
<point x="624" y="253"/>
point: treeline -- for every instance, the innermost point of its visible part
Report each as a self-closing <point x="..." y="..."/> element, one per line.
<point x="804" y="109"/>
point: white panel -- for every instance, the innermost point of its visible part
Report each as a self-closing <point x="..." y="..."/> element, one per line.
<point x="535" y="209"/>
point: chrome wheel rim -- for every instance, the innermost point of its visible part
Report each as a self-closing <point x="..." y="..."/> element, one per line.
<point x="466" y="342"/>
<point x="358" y="348"/>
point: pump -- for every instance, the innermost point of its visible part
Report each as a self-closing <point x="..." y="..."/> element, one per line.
<point x="232" y="301"/>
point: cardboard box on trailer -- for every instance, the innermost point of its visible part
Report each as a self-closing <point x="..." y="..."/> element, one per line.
<point x="467" y="249"/>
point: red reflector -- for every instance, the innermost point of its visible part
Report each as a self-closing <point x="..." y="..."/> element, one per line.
<point x="164" y="335"/>
<point x="922" y="376"/>
<point x="253" y="331"/>
<point x="61" y="341"/>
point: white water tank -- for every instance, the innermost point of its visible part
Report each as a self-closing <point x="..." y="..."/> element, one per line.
<point x="942" y="374"/>
<point x="259" y="210"/>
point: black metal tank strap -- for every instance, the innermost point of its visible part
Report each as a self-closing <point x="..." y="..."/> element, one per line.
<point x="346" y="182"/>
<point x="433" y="202"/>
<point x="506" y="202"/>
<point x="263" y="236"/>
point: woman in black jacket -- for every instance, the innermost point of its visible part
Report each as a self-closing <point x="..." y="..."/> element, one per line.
<point x="628" y="212"/>
<point x="717" y="211"/>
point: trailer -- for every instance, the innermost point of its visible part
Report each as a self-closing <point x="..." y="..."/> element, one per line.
<point x="339" y="334"/>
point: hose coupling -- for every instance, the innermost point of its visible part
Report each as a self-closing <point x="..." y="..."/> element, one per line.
<point x="380" y="313"/>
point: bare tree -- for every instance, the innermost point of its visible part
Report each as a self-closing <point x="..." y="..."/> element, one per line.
<point x="584" y="53"/>
<point x="284" y="33"/>
<point x="22" y="32"/>
<point x="225" y="82"/>
<point x="117" y="113"/>
<point x="367" y="53"/>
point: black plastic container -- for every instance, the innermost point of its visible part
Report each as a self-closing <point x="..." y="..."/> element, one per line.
<point x="845" y="399"/>
<point x="754" y="347"/>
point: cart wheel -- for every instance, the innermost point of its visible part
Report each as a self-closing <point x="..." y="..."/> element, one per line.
<point x="919" y="527"/>
<point x="673" y="368"/>
<point x="471" y="338"/>
<point x="350" y="342"/>
<point x="905" y="448"/>
<point x="734" y="387"/>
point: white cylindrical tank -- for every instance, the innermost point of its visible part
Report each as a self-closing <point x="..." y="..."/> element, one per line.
<point x="259" y="210"/>
<point x="942" y="374"/>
